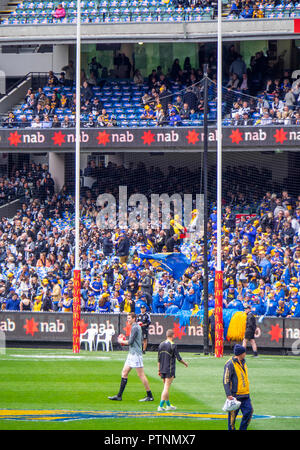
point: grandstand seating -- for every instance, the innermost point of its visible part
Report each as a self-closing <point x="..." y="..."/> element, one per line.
<point x="106" y="11"/>
<point x="122" y="11"/>
<point x="122" y="100"/>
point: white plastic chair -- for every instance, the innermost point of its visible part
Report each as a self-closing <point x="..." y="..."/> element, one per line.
<point x="105" y="339"/>
<point x="88" y="338"/>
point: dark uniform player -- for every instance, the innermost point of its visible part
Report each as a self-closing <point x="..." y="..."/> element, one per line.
<point x="167" y="356"/>
<point x="144" y="321"/>
<point x="250" y="330"/>
<point x="236" y="385"/>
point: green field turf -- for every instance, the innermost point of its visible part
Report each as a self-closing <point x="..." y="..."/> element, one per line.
<point x="57" y="380"/>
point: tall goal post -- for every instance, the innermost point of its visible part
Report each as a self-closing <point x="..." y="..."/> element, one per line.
<point x="77" y="272"/>
<point x="219" y="335"/>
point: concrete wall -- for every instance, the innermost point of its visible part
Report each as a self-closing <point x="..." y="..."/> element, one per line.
<point x="151" y="32"/>
<point x="18" y="65"/>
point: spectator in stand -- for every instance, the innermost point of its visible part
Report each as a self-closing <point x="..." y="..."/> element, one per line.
<point x="190" y="98"/>
<point x="55" y="122"/>
<point x="63" y="101"/>
<point x="66" y="123"/>
<point x="174" y="118"/>
<point x="30" y="102"/>
<point x="60" y="12"/>
<point x="94" y="67"/>
<point x="247" y="12"/>
<point x="238" y="67"/>
<point x="138" y="78"/>
<point x="96" y="106"/>
<point x="86" y="92"/>
<point x="176" y="68"/>
<point x="160" y="116"/>
<point x="10" y="121"/>
<point x="243" y="86"/>
<point x="233" y="82"/>
<point x="185" y="112"/>
<point x="258" y="12"/>
<point x="148" y="114"/>
<point x="52" y="79"/>
<point x="90" y="123"/>
<point x="277" y="104"/>
<point x="289" y="98"/>
<point x="69" y="73"/>
<point x="46" y="122"/>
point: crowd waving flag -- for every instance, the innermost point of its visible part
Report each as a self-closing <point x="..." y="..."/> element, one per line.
<point x="174" y="263"/>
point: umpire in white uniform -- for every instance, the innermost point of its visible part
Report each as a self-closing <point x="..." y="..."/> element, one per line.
<point x="134" y="359"/>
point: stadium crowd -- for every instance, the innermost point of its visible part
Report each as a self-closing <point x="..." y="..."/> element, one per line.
<point x="259" y="95"/>
<point x="261" y="254"/>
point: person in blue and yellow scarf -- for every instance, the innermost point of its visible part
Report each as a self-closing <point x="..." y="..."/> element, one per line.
<point x="236" y="385"/>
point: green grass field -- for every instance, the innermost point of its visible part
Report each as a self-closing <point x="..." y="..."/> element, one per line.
<point x="62" y="385"/>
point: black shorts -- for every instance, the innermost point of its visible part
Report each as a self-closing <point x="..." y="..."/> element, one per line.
<point x="167" y="375"/>
<point x="145" y="333"/>
<point x="249" y="334"/>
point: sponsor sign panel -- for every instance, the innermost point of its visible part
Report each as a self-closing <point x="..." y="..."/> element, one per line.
<point x="292" y="335"/>
<point x="264" y="138"/>
<point x="269" y="333"/>
<point x="38" y="326"/>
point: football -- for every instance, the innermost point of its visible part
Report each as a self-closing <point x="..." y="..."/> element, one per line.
<point x="121" y="339"/>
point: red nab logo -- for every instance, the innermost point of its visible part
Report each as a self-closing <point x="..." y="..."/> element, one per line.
<point x="31" y="326"/>
<point x="236" y="136"/>
<point x="192" y="137"/>
<point x="280" y="136"/>
<point x="59" y="138"/>
<point x="103" y="138"/>
<point x="275" y="332"/>
<point x="148" y="137"/>
<point x="14" y="138"/>
<point x="178" y="331"/>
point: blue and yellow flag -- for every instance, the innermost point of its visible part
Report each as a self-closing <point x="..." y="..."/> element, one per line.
<point x="174" y="263"/>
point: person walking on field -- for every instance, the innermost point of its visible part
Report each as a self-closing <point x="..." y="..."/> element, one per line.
<point x="134" y="359"/>
<point x="167" y="355"/>
<point x="250" y="330"/>
<point x="236" y="386"/>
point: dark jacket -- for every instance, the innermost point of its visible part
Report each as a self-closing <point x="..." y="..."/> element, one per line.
<point x="107" y="246"/>
<point x="123" y="247"/>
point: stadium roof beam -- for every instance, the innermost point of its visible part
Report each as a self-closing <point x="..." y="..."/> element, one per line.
<point x="149" y="32"/>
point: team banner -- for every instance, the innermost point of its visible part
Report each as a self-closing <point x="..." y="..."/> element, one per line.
<point x="233" y="138"/>
<point x="272" y="332"/>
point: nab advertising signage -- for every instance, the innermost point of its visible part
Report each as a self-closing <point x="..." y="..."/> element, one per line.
<point x="272" y="332"/>
<point x="126" y="139"/>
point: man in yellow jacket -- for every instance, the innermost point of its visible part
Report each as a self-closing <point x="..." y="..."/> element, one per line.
<point x="236" y="385"/>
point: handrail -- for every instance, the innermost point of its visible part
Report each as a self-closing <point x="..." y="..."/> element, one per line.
<point x="21" y="80"/>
